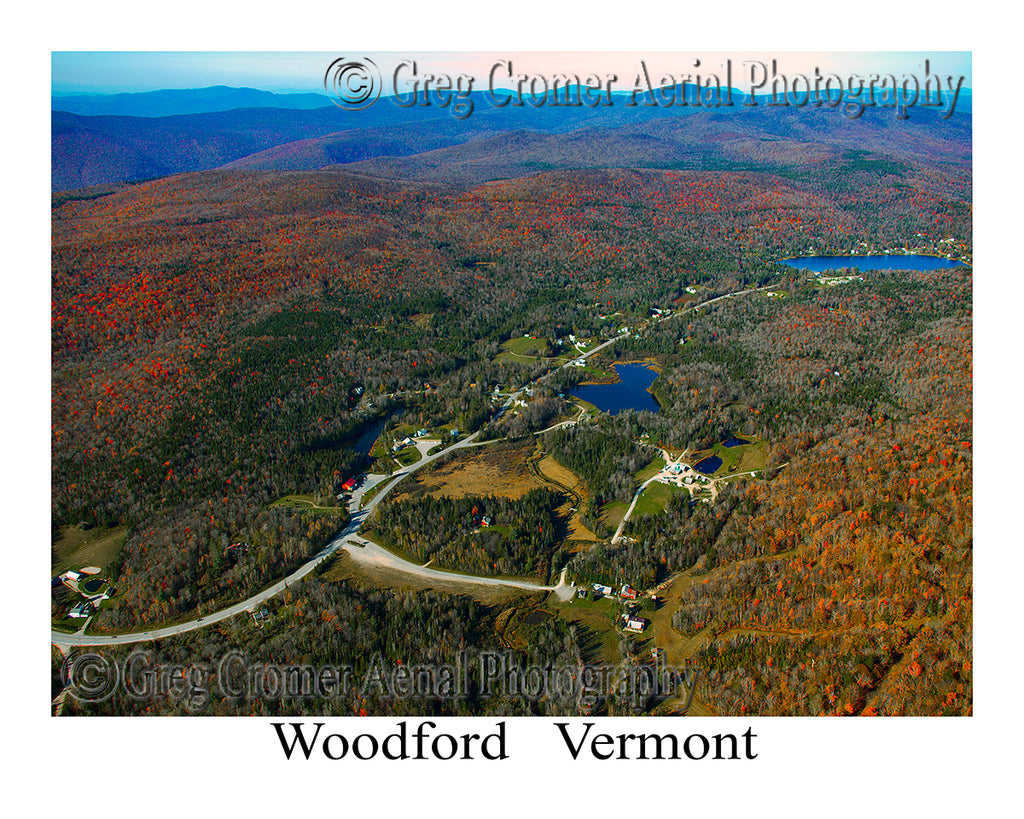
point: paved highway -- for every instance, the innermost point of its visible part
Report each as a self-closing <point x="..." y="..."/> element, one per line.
<point x="64" y="640"/>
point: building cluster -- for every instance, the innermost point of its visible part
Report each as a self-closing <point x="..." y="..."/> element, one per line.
<point x="633" y="623"/>
<point x="80" y="582"/>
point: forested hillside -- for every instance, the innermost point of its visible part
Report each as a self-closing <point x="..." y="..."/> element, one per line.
<point x="370" y="633"/>
<point x="221" y="339"/>
<point x="854" y="553"/>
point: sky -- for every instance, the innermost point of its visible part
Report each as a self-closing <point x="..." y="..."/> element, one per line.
<point x="89" y="72"/>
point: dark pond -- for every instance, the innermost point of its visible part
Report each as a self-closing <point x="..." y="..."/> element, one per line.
<point x="364" y="443"/>
<point x="535" y="617"/>
<point x="93" y="585"/>
<point x="629" y="392"/>
<point x="910" y="261"/>
<point x="734" y="441"/>
<point x="709" y="465"/>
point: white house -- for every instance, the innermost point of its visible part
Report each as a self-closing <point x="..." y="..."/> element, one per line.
<point x="83" y="609"/>
<point x="636" y="624"/>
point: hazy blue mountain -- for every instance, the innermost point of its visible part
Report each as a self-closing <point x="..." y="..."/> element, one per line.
<point x="388" y="138"/>
<point x="171" y="101"/>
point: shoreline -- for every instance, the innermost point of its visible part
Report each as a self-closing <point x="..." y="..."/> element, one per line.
<point x="650" y="363"/>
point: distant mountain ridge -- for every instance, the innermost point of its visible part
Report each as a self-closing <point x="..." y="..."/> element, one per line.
<point x="419" y="141"/>
<point x="756" y="140"/>
<point x="173" y="101"/>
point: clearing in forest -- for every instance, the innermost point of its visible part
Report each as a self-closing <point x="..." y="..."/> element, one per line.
<point x="77" y="547"/>
<point x="746" y="454"/>
<point x="566" y="479"/>
<point x="655" y="498"/>
<point x="500" y="470"/>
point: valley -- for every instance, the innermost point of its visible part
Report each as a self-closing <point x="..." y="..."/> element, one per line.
<point x="550" y="387"/>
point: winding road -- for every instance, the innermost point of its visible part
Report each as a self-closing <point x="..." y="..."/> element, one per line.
<point x="369" y="553"/>
<point x="636" y="496"/>
<point x="360" y="549"/>
<point x="358" y="516"/>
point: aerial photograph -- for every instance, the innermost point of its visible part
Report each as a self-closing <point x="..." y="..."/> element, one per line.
<point x="511" y="384"/>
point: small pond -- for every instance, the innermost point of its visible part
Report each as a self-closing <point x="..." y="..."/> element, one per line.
<point x="734" y="441"/>
<point x="364" y="443"/>
<point x="535" y="617"/>
<point x="709" y="465"/>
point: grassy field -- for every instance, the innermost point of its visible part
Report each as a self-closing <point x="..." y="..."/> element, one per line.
<point x="586" y="405"/>
<point x="513" y="358"/>
<point x="409" y="455"/>
<point x="404" y="457"/>
<point x="500" y="470"/>
<point x="444" y="433"/>
<point x="595" y="373"/>
<point x="524" y="350"/>
<point x="649" y="471"/>
<point x="382" y="446"/>
<point x="67" y="625"/>
<point x="307" y="502"/>
<point x="612" y="514"/>
<point x="77" y="547"/>
<point x="552" y="469"/>
<point x="598" y="616"/>
<point x="560" y="475"/>
<point x="743" y="458"/>
<point x="655" y="498"/>
<point x="527" y="346"/>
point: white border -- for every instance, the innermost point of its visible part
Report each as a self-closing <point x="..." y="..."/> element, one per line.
<point x="835" y="767"/>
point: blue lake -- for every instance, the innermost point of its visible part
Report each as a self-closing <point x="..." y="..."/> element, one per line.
<point x="910" y="261"/>
<point x="629" y="392"/>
